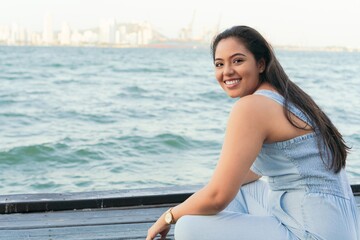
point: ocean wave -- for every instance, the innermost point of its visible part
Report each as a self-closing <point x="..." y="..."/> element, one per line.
<point x="93" y="117"/>
<point x="140" y="69"/>
<point x="161" y="143"/>
<point x="52" y="154"/>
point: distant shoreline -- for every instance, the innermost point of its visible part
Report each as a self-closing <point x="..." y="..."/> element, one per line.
<point x="191" y="45"/>
<point x="318" y="49"/>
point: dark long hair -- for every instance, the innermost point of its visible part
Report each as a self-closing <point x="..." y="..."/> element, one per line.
<point x="276" y="76"/>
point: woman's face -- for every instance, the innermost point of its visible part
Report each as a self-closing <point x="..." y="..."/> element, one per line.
<point x="236" y="68"/>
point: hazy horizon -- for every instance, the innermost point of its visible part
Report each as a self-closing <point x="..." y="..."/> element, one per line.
<point x="297" y="23"/>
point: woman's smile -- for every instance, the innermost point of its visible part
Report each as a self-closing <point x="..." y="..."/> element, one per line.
<point x="231" y="83"/>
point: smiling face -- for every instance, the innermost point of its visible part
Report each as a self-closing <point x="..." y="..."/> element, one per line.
<point x="236" y="69"/>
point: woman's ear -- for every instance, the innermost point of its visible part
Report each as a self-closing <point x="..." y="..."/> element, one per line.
<point x="261" y="65"/>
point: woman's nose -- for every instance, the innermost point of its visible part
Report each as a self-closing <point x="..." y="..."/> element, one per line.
<point x="228" y="70"/>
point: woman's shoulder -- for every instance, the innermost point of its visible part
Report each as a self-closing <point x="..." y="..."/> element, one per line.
<point x="257" y="104"/>
<point x="259" y="110"/>
<point x="255" y="108"/>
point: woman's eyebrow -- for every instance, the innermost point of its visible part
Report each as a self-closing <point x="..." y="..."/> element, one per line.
<point x="235" y="54"/>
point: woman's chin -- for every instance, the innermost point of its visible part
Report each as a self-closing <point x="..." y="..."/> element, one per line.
<point x="233" y="95"/>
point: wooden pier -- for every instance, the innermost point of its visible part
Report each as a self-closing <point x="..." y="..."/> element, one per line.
<point x="125" y="214"/>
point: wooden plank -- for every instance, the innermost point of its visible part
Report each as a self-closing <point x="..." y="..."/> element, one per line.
<point x="357" y="199"/>
<point x="122" y="223"/>
<point x="105" y="224"/>
<point x="98" y="194"/>
<point x="81" y="218"/>
<point x="356" y="189"/>
<point x="26" y="203"/>
<point x="112" y="231"/>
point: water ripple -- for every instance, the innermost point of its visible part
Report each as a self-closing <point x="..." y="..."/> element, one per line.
<point x="99" y="118"/>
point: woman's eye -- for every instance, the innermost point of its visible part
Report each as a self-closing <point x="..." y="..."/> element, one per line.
<point x="218" y="64"/>
<point x="238" y="60"/>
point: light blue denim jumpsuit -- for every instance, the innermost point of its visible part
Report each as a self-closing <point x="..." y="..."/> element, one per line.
<point x="301" y="199"/>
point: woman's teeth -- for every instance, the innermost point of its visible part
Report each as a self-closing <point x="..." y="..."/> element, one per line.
<point x="232" y="82"/>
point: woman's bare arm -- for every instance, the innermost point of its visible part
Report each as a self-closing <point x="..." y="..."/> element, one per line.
<point x="246" y="131"/>
<point x="245" y="134"/>
<point x="251" y="177"/>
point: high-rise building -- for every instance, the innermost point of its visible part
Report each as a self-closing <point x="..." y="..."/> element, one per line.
<point x="107" y="31"/>
<point x="65" y="34"/>
<point x="76" y="38"/>
<point x="4" y="33"/>
<point x="22" y="37"/>
<point x="14" y="34"/>
<point x="48" y="34"/>
<point x="120" y="35"/>
<point x="90" y="37"/>
<point x="144" y="34"/>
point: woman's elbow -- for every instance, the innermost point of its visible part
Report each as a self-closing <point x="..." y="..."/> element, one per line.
<point x="221" y="201"/>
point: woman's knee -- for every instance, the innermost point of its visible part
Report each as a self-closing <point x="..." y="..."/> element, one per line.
<point x="184" y="228"/>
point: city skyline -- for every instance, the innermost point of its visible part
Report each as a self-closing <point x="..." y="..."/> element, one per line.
<point x="296" y="23"/>
<point x="108" y="32"/>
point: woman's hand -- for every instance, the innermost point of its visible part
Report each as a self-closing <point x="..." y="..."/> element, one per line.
<point x="159" y="227"/>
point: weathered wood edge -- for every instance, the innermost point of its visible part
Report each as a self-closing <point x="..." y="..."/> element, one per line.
<point x="26" y="203"/>
<point x="42" y="202"/>
<point x="356" y="189"/>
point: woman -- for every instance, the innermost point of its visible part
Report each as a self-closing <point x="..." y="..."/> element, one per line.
<point x="275" y="130"/>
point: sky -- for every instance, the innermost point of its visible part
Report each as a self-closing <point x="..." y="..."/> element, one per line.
<point x="310" y="23"/>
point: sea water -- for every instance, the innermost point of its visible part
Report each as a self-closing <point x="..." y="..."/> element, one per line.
<point x="81" y="119"/>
